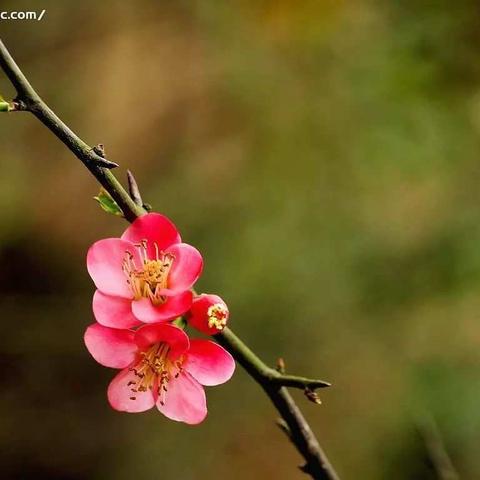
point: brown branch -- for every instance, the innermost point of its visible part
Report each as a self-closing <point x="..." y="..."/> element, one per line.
<point x="435" y="448"/>
<point x="292" y="421"/>
<point x="272" y="381"/>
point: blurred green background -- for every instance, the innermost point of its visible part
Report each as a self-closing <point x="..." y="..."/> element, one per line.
<point x="325" y="158"/>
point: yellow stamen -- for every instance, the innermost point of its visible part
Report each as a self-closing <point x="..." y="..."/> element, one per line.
<point x="154" y="370"/>
<point x="149" y="278"/>
<point x="217" y="316"/>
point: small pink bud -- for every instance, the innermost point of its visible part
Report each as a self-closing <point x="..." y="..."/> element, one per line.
<point x="208" y="314"/>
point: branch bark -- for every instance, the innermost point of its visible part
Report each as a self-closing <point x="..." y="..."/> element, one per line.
<point x="273" y="382"/>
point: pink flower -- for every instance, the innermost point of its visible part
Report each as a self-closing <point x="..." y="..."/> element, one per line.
<point x="144" y="276"/>
<point x="208" y="314"/>
<point x="160" y="366"/>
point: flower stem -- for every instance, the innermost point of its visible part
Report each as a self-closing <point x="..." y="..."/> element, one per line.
<point x="273" y="382"/>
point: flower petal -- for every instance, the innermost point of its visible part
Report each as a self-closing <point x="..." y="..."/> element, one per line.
<point x="184" y="400"/>
<point x="109" y="346"/>
<point x="114" y="312"/>
<point x="175" y="337"/>
<point x="155" y="228"/>
<point x="209" y="363"/>
<point x="145" y="311"/>
<point x="104" y="264"/>
<point x="186" y="268"/>
<point x="122" y="398"/>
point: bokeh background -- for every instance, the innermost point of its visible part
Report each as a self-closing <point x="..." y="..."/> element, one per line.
<point x="324" y="156"/>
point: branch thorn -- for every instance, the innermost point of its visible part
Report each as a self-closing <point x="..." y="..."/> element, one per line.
<point x="99" y="150"/>
<point x="280" y="365"/>
<point x="133" y="189"/>
<point x="282" y="425"/>
<point x="103" y="162"/>
<point x="99" y="158"/>
<point x="312" y="395"/>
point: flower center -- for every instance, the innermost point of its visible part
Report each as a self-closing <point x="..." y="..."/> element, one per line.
<point x="217" y="316"/>
<point x="154" y="370"/>
<point x="149" y="278"/>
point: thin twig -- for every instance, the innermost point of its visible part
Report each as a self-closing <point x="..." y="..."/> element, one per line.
<point x="435" y="448"/>
<point x="273" y="382"/>
<point x="297" y="382"/>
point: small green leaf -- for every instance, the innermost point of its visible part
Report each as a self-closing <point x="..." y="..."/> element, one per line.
<point x="4" y="106"/>
<point x="108" y="203"/>
<point x="180" y="322"/>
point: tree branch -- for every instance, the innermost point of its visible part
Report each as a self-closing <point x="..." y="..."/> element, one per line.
<point x="28" y="99"/>
<point x="292" y="422"/>
<point x="272" y="381"/>
<point x="262" y="372"/>
<point x="435" y="448"/>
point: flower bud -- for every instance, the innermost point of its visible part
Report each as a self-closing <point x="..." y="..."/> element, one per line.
<point x="208" y="314"/>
